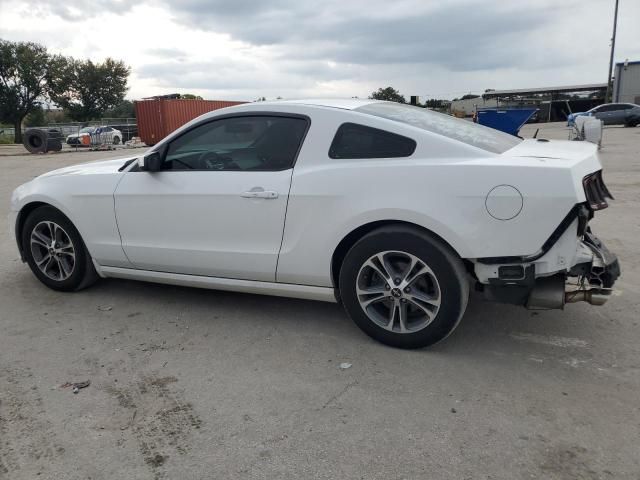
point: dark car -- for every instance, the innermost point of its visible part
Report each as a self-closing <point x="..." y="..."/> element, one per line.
<point x="627" y="114"/>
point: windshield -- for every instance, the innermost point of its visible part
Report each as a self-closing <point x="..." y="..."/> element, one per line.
<point x="87" y="130"/>
<point x="464" y="131"/>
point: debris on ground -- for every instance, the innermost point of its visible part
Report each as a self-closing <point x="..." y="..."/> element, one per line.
<point x="344" y="366"/>
<point x="105" y="308"/>
<point x="76" y="386"/>
<point x="135" y="142"/>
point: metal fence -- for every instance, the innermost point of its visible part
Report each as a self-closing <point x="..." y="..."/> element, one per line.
<point x="97" y="133"/>
<point x="104" y="133"/>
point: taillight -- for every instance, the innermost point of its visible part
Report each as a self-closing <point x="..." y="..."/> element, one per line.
<point x="596" y="191"/>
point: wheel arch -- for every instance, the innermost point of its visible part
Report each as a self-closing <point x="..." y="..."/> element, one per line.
<point x="352" y="237"/>
<point x="24" y="213"/>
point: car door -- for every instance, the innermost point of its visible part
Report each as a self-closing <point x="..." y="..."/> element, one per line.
<point x="217" y="207"/>
<point x="106" y="134"/>
<point x="626" y="110"/>
<point x="601" y="112"/>
<point x="616" y="114"/>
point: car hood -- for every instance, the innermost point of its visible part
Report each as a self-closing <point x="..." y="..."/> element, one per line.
<point x="91" y="168"/>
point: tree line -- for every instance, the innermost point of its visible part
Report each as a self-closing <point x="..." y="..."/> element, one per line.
<point x="31" y="76"/>
<point x="390" y="94"/>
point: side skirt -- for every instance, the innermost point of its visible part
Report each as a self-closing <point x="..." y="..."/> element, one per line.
<point x="306" y="292"/>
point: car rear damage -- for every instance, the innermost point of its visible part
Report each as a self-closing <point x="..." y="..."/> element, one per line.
<point x="572" y="265"/>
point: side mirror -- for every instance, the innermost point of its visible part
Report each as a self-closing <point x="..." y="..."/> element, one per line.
<point x="152" y="162"/>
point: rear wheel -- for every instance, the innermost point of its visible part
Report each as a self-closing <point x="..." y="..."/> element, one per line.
<point x="403" y="287"/>
<point x="55" y="251"/>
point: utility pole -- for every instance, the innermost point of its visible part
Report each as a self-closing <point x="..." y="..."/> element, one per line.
<point x="613" y="46"/>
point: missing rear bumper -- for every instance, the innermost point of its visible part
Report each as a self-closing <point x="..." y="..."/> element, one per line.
<point x="589" y="281"/>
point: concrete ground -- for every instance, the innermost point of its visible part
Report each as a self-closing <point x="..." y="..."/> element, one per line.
<point x="196" y="384"/>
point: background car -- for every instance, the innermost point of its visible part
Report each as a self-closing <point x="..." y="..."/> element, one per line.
<point x="627" y="114"/>
<point x="95" y="135"/>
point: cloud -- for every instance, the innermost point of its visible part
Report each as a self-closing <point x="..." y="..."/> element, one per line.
<point x="244" y="49"/>
<point x="76" y="11"/>
<point x="465" y="36"/>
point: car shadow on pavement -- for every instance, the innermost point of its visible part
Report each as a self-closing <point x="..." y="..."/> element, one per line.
<point x="485" y="325"/>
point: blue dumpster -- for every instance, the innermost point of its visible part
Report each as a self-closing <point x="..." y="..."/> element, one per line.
<point x="508" y="120"/>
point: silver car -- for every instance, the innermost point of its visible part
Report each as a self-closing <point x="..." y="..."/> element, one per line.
<point x="627" y="114"/>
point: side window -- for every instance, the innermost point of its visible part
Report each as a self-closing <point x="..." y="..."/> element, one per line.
<point x="358" y="141"/>
<point x="267" y="143"/>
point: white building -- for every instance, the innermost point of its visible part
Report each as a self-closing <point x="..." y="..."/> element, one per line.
<point x="626" y="83"/>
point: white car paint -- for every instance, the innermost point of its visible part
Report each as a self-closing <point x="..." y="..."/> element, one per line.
<point x="109" y="135"/>
<point x="198" y="228"/>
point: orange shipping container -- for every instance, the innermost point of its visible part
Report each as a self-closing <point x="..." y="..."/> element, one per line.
<point x="158" y="117"/>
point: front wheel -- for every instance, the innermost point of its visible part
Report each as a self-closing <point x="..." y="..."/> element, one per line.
<point x="404" y="287"/>
<point x="55" y="251"/>
<point x="116" y="140"/>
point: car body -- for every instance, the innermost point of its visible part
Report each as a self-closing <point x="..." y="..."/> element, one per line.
<point x="88" y="136"/>
<point x="627" y="114"/>
<point x="334" y="200"/>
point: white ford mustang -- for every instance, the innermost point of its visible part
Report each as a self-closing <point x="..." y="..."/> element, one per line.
<point x="390" y="209"/>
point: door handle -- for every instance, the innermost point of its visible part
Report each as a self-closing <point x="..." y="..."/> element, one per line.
<point x="266" y="194"/>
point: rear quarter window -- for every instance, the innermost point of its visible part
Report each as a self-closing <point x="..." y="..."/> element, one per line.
<point x="359" y="141"/>
<point x="463" y="131"/>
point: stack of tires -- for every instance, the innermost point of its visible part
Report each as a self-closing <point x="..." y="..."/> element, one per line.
<point x="43" y="140"/>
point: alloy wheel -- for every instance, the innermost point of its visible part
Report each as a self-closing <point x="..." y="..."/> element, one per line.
<point x="398" y="291"/>
<point x="52" y="250"/>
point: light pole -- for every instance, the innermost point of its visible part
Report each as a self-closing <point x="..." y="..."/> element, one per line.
<point x="613" y="46"/>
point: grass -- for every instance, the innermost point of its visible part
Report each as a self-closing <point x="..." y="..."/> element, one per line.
<point x="6" y="140"/>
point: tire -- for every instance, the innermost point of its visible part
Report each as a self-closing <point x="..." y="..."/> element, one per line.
<point x="408" y="251"/>
<point x="54" y="145"/>
<point x="65" y="272"/>
<point x="35" y="140"/>
<point x="116" y="140"/>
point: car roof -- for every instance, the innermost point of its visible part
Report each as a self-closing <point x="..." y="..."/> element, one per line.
<point x="343" y="103"/>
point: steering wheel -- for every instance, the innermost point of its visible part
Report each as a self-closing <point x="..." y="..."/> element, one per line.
<point x="213" y="161"/>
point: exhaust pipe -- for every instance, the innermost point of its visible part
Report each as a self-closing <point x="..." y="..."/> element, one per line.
<point x="595" y="296"/>
<point x="549" y="293"/>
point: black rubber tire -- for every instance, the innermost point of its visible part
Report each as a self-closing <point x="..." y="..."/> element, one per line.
<point x="54" y="145"/>
<point x="116" y="140"/>
<point x="446" y="265"/>
<point x="35" y="140"/>
<point x="83" y="275"/>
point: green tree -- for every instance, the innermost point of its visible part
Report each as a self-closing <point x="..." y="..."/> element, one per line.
<point x="190" y="96"/>
<point x="389" y="93"/>
<point x="124" y="109"/>
<point x="27" y="74"/>
<point x="435" y="103"/>
<point x="89" y="89"/>
<point x="36" y="118"/>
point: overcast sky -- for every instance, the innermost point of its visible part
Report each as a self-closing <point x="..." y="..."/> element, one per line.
<point x="244" y="49"/>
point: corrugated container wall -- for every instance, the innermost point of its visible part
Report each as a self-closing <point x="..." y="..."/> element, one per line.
<point x="626" y="83"/>
<point x="157" y="118"/>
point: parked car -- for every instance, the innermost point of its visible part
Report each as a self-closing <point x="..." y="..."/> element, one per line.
<point x="95" y="135"/>
<point x="389" y="209"/>
<point x="627" y="114"/>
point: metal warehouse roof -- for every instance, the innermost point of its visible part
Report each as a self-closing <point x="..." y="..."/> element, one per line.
<point x="530" y="91"/>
